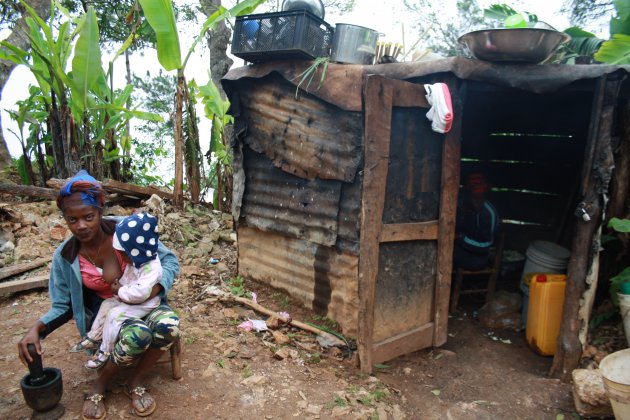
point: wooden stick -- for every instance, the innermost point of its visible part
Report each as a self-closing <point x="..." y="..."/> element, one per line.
<point x="21" y="268"/>
<point x="248" y="302"/>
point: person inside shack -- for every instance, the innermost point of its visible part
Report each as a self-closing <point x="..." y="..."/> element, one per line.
<point x="476" y="225"/>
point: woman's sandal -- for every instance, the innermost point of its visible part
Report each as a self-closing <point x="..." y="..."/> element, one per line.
<point x="145" y="400"/>
<point x="97" y="400"/>
<point x="85" y="344"/>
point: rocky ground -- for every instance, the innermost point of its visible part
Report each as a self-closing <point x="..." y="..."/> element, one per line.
<point x="230" y="373"/>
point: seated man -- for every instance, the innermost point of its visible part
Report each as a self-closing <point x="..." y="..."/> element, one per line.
<point x="476" y="225"/>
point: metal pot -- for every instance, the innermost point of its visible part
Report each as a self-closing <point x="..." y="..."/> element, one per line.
<point x="316" y="7"/>
<point x="353" y="44"/>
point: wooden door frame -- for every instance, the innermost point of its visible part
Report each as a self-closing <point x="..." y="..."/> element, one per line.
<point x="388" y="93"/>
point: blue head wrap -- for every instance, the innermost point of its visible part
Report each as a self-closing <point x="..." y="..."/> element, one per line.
<point x="91" y="197"/>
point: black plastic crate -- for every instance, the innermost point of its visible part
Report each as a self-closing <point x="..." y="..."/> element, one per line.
<point x="281" y="35"/>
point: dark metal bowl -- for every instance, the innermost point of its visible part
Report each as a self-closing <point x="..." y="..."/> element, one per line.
<point x="518" y="45"/>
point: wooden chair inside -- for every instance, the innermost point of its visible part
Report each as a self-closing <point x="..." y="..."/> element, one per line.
<point x="491" y="271"/>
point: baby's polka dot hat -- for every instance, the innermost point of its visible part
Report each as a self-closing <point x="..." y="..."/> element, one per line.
<point x="137" y="235"/>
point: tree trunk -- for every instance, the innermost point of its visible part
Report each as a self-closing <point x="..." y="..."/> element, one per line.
<point x="18" y="38"/>
<point x="178" y="191"/>
<point x="220" y="63"/>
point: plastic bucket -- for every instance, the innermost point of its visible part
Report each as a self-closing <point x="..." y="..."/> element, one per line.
<point x="624" y="309"/>
<point x="542" y="257"/>
<point x="615" y="369"/>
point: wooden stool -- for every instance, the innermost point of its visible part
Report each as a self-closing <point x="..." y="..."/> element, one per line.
<point x="492" y="271"/>
<point x="174" y="358"/>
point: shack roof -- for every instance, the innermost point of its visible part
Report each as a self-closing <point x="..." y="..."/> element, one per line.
<point x="347" y="78"/>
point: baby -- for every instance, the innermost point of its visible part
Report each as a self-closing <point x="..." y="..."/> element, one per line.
<point x="137" y="237"/>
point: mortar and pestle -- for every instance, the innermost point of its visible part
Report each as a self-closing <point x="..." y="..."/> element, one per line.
<point x="42" y="388"/>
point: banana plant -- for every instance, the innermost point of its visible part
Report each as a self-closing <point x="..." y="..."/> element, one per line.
<point x="161" y="16"/>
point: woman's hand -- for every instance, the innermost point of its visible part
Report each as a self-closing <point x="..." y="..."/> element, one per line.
<point x="115" y="286"/>
<point x="31" y="337"/>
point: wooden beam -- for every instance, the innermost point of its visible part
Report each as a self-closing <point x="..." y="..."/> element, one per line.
<point x="409" y="231"/>
<point x="8" y="287"/>
<point x="10" y="271"/>
<point x="28" y="190"/>
<point x="407" y="94"/>
<point x="113" y="186"/>
<point x="403" y="343"/>
<point x="448" y="209"/>
<point x="378" y="103"/>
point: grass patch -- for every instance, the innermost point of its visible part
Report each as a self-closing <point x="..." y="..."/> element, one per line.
<point x="221" y="363"/>
<point x="247" y="372"/>
<point x="281" y="299"/>
<point x="336" y="402"/>
<point x="189" y="339"/>
<point x="236" y="286"/>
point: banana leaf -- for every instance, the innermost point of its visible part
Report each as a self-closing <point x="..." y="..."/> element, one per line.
<point x="161" y="17"/>
<point x="582" y="42"/>
<point x="86" y="64"/>
<point x="615" y="51"/>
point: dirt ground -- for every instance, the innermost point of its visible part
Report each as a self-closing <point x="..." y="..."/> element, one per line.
<point x="229" y="373"/>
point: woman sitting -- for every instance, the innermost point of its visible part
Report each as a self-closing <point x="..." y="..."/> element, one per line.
<point x="82" y="268"/>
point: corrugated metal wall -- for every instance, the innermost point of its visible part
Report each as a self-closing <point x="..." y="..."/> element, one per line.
<point x="321" y="277"/>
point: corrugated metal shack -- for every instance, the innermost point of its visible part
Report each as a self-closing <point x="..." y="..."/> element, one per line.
<point x="345" y="197"/>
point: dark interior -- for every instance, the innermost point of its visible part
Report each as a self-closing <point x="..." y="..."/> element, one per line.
<point x="531" y="148"/>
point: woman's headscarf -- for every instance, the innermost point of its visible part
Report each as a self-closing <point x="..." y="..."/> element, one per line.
<point x="91" y="191"/>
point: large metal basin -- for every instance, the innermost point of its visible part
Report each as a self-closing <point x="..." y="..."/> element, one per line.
<point x="518" y="45"/>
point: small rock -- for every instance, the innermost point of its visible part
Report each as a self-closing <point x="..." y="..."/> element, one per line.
<point x="336" y="353"/>
<point x="230" y="313"/>
<point x="280" y="338"/>
<point x="221" y="268"/>
<point x="7" y="247"/>
<point x="397" y="413"/>
<point x="589" y="395"/>
<point x="447" y="353"/>
<point x="407" y="371"/>
<point x="313" y="409"/>
<point x="198" y="309"/>
<point x="600" y="355"/>
<point x="58" y="233"/>
<point x="281" y="354"/>
<point x="589" y="351"/>
<point x="340" y="411"/>
<point x="246" y="353"/>
<point x="302" y="404"/>
<point x="254" y="380"/>
<point x="273" y="323"/>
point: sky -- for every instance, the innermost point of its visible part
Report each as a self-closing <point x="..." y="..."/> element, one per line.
<point x="388" y="17"/>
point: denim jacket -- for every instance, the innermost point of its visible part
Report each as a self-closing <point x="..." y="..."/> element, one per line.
<point x="66" y="284"/>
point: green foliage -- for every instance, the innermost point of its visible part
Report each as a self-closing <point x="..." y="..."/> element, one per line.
<point x="86" y="64"/>
<point x="510" y="17"/>
<point x="622" y="226"/>
<point x="582" y="43"/>
<point x="22" y="171"/>
<point x="310" y="72"/>
<point x="619" y="225"/>
<point x="236" y="286"/>
<point x="615" y="51"/>
<point x="161" y="16"/>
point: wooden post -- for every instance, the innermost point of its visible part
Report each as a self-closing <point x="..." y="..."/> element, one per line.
<point x="448" y="208"/>
<point x="598" y="165"/>
<point x="378" y="100"/>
